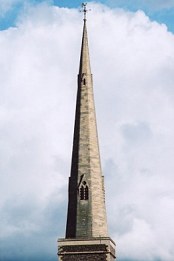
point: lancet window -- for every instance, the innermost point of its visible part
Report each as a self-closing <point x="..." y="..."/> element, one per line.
<point x="84" y="191"/>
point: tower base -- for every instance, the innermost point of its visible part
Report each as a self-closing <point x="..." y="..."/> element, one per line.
<point x="94" y="249"/>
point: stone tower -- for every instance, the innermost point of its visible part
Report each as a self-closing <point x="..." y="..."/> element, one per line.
<point x="86" y="230"/>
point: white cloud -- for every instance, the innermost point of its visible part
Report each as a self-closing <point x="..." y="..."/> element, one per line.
<point x="133" y="85"/>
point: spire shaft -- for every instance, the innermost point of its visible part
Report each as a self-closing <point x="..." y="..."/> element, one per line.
<point x="84" y="67"/>
<point x="86" y="208"/>
<point x="86" y="229"/>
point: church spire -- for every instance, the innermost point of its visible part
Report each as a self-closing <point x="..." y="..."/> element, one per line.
<point x="84" y="58"/>
<point x="86" y="229"/>
<point x="86" y="210"/>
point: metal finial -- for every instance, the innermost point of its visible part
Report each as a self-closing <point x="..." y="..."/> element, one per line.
<point x="85" y="10"/>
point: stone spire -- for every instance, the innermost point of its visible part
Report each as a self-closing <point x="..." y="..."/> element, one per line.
<point x="84" y="57"/>
<point x="86" y="229"/>
<point x="86" y="209"/>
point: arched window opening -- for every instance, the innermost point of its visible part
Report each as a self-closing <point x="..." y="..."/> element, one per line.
<point x="84" y="191"/>
<point x="84" y="81"/>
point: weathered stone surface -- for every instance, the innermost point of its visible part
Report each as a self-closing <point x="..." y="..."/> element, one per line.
<point x="86" y="218"/>
<point x="86" y="231"/>
<point x="87" y="250"/>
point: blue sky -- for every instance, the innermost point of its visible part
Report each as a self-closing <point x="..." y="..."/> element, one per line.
<point x="160" y="12"/>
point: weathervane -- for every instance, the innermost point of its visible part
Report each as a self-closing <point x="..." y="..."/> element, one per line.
<point x="85" y="10"/>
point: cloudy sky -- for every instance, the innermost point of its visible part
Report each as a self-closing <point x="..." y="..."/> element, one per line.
<point x="132" y="60"/>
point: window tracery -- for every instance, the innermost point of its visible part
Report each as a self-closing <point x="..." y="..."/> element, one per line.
<point x="84" y="191"/>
